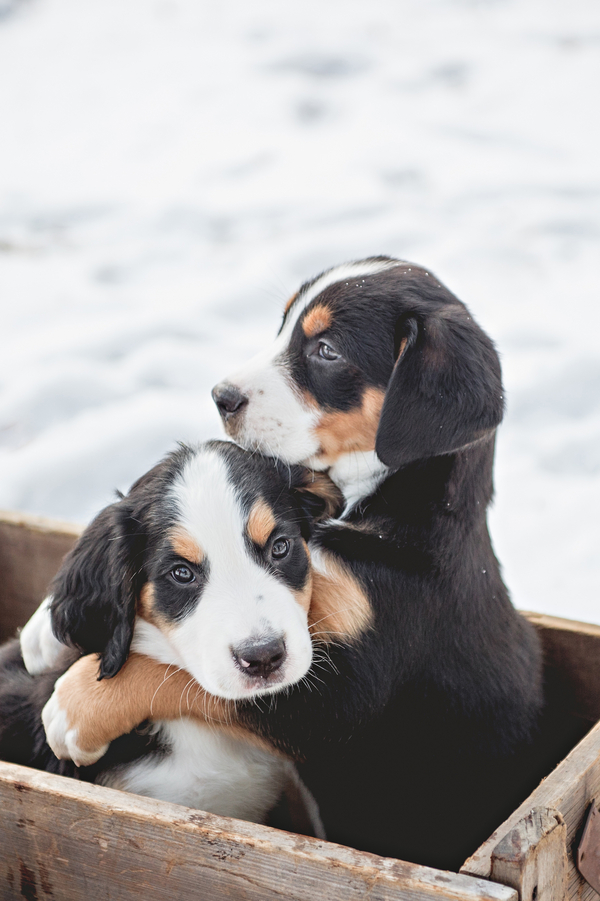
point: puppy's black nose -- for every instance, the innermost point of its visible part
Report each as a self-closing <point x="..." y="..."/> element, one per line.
<point x="228" y="399"/>
<point x="260" y="658"/>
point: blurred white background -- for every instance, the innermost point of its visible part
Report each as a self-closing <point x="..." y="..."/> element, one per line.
<point x="170" y="170"/>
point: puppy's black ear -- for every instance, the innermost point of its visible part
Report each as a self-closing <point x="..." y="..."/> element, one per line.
<point x="95" y="591"/>
<point x="445" y="390"/>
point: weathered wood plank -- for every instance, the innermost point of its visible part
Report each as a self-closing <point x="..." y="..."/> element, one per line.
<point x="532" y="857"/>
<point x="31" y="550"/>
<point x="569" y="789"/>
<point x="588" y="850"/>
<point x="573" y="649"/>
<point x="66" y="839"/>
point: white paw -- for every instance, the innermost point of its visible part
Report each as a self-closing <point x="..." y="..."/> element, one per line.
<point x="62" y="739"/>
<point x="41" y="649"/>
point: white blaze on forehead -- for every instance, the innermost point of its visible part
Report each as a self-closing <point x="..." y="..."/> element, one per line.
<point x="345" y="272"/>
<point x="241" y="601"/>
<point x="208" y="506"/>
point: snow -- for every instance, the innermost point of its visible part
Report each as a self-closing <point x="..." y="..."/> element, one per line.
<point x="171" y="170"/>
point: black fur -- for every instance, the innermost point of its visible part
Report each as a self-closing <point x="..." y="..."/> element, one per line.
<point x="95" y="592"/>
<point x="417" y="739"/>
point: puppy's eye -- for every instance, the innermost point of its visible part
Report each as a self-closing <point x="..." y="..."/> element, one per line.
<point x="280" y="548"/>
<point x="326" y="352"/>
<point x="183" y="574"/>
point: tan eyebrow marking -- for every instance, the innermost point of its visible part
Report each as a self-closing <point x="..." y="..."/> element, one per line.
<point x="290" y="302"/>
<point x="186" y="546"/>
<point x="261" y="522"/>
<point x="316" y="320"/>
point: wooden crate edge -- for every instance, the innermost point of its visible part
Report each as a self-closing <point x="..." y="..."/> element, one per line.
<point x="569" y="789"/>
<point x="35" y="523"/>
<point x="545" y="621"/>
<point x="227" y="838"/>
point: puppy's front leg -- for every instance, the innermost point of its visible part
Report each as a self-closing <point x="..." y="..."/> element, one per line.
<point x="84" y="715"/>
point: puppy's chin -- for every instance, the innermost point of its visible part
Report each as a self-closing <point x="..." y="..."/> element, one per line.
<point x="243" y="688"/>
<point x="220" y="676"/>
<point x="273" y="439"/>
<point x="305" y="451"/>
<point x="279" y="438"/>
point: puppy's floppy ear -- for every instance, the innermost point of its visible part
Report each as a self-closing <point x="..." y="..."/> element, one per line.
<point x="318" y="497"/>
<point x="95" y="591"/>
<point x="445" y="390"/>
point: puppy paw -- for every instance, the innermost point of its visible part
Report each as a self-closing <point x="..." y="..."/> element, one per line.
<point x="62" y="737"/>
<point x="40" y="648"/>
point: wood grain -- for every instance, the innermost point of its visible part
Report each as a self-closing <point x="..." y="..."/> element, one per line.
<point x="532" y="857"/>
<point x="588" y="849"/>
<point x="31" y="550"/>
<point x="65" y="839"/>
<point x="573" y="649"/>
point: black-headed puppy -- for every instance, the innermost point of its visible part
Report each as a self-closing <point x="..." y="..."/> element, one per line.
<point x="380" y="376"/>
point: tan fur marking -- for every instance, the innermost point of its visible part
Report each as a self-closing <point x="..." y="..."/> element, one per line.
<point x="290" y="302"/>
<point x="261" y="522"/>
<point x="304" y="595"/>
<point x="340" y="432"/>
<point x="339" y="608"/>
<point x="319" y="484"/>
<point x="142" y="689"/>
<point x="145" y="604"/>
<point x="146" y="609"/>
<point x="316" y="320"/>
<point x="186" y="546"/>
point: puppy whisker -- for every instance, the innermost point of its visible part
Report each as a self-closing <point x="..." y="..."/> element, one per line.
<point x="166" y="678"/>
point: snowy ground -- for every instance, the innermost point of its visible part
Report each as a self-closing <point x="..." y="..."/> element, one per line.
<point x="170" y="170"/>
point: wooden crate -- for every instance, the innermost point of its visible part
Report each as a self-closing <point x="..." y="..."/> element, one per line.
<point x="63" y="839"/>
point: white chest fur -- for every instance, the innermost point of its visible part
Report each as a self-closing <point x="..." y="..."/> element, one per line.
<point x="357" y="475"/>
<point x="206" y="769"/>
